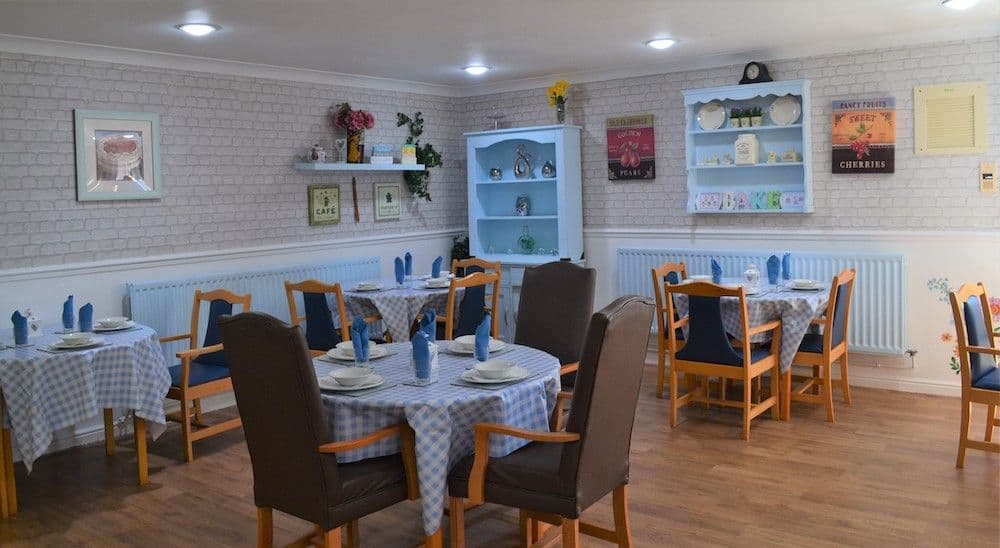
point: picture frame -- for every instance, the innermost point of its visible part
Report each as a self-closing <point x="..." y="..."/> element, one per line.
<point x="117" y="155"/>
<point x="387" y="201"/>
<point x="324" y="205"/>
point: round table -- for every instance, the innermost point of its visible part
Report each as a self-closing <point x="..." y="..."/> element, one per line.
<point x="441" y="414"/>
<point x="398" y="306"/>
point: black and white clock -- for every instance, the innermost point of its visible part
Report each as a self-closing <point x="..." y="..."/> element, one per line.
<point x="755" y="73"/>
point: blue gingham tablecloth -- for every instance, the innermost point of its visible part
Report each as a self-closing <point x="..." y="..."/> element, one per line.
<point x="398" y="307"/>
<point x="795" y="309"/>
<point x="46" y="392"/>
<point x="442" y="414"/>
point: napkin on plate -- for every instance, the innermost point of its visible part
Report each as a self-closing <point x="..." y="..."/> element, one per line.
<point x="786" y="266"/>
<point x="773" y="269"/>
<point x="483" y="339"/>
<point x="436" y="268"/>
<point x="86" y="322"/>
<point x="716" y="272"/>
<point x="359" y="339"/>
<point x="67" y="315"/>
<point x="421" y="355"/>
<point x="408" y="264"/>
<point x="428" y="325"/>
<point x="400" y="271"/>
<point x="20" y="327"/>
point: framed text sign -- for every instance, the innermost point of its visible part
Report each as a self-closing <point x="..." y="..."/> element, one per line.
<point x="387" y="204"/>
<point x="324" y="205"/>
<point x="864" y="135"/>
<point x="631" y="149"/>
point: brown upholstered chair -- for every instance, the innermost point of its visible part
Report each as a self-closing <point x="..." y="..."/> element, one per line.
<point x="558" y="475"/>
<point x="557" y="300"/>
<point x="294" y="459"/>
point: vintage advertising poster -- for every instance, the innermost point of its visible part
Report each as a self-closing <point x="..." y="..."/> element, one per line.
<point x="864" y="135"/>
<point x="631" y="152"/>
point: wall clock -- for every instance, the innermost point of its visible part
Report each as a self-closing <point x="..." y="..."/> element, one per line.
<point x="755" y="73"/>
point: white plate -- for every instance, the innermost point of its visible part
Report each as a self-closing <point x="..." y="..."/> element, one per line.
<point x="326" y="383"/>
<point x="127" y="325"/>
<point x="817" y="288"/>
<point x="449" y="275"/>
<point x="785" y="110"/>
<point x="518" y="373"/>
<point x="804" y="284"/>
<point x="94" y="341"/>
<point x="466" y="344"/>
<point x="373" y="354"/>
<point x="360" y="287"/>
<point x="711" y="115"/>
<point x="436" y="286"/>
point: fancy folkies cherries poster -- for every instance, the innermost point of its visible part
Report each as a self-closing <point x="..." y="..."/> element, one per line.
<point x="864" y="136"/>
<point x="631" y="150"/>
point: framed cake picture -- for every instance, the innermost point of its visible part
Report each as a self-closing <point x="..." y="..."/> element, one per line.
<point x="117" y="155"/>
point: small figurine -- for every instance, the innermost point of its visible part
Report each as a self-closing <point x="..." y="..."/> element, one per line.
<point x="522" y="165"/>
<point x="318" y="155"/>
<point x="548" y="170"/>
<point x="521" y="207"/>
<point x="496" y="174"/>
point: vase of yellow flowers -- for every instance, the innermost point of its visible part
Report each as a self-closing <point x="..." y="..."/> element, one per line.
<point x="557" y="98"/>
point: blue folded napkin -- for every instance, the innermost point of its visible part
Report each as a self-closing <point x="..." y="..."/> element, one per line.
<point x="428" y="325"/>
<point x="483" y="339"/>
<point x="408" y="264"/>
<point x="421" y="355"/>
<point x="400" y="271"/>
<point x="773" y="269"/>
<point x="86" y="322"/>
<point x="786" y="266"/>
<point x="436" y="268"/>
<point x="20" y="328"/>
<point x="359" y="339"/>
<point x="67" y="316"/>
<point x="716" y="272"/>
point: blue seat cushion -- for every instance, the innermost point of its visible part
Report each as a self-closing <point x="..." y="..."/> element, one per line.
<point x="989" y="381"/>
<point x="200" y="373"/>
<point x="812" y="342"/>
<point x="757" y="354"/>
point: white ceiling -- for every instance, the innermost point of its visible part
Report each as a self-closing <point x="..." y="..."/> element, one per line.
<point x="428" y="41"/>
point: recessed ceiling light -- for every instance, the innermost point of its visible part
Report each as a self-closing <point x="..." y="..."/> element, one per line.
<point x="476" y="70"/>
<point x="661" y="43"/>
<point x="959" y="4"/>
<point x="198" y="29"/>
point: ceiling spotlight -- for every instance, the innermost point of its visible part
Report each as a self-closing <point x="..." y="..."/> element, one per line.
<point x="476" y="70"/>
<point x="959" y="4"/>
<point x="661" y="43"/>
<point x="198" y="29"/>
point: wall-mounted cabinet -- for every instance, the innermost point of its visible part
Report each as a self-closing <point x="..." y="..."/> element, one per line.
<point x="770" y="171"/>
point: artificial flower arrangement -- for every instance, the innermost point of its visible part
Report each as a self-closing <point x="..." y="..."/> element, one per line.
<point x="352" y="121"/>
<point x="557" y="93"/>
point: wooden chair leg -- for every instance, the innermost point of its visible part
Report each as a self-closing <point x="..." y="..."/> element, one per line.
<point x="963" y="435"/>
<point x="828" y="391"/>
<point x="331" y="538"/>
<point x="265" y="527"/>
<point x="4" y="506"/>
<point x="109" y="432"/>
<point x="456" y="521"/>
<point x="786" y="395"/>
<point x="197" y="411"/>
<point x="661" y="369"/>
<point x="353" y="534"/>
<point x="990" y="421"/>
<point x="816" y="375"/>
<point x="570" y="533"/>
<point x="746" y="409"/>
<point x="434" y="540"/>
<point x="623" y="529"/>
<point x="8" y="471"/>
<point x="673" y="396"/>
<point x="141" y="457"/>
<point x="845" y="382"/>
<point x="527" y="530"/>
<point x="186" y="432"/>
<point x="775" y="391"/>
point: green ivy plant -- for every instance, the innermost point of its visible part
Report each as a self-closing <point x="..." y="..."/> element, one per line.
<point x="417" y="181"/>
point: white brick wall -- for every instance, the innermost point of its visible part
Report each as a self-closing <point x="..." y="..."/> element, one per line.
<point x="228" y="144"/>
<point x="924" y="193"/>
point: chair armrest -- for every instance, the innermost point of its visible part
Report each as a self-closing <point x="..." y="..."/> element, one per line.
<point x="195" y="352"/>
<point x="555" y="421"/>
<point x="818" y="321"/>
<point x="477" y="478"/>
<point x="569" y="368"/>
<point x="769" y="326"/>
<point x="984" y="350"/>
<point x="175" y="338"/>
<point x="407" y="446"/>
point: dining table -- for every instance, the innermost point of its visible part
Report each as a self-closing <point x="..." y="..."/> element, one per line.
<point x="45" y="390"/>
<point x="397" y="305"/>
<point x="796" y="308"/>
<point x="442" y="413"/>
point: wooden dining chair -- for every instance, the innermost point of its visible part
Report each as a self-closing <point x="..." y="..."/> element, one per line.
<point x="709" y="352"/>
<point x="559" y="474"/>
<point x="459" y="266"/>
<point x="204" y="370"/>
<point x="292" y="453"/>
<point x="321" y="334"/>
<point x="464" y="319"/>
<point x="977" y="354"/>
<point x="666" y="273"/>
<point x="822" y="350"/>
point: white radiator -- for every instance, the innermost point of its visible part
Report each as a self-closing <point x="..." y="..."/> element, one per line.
<point x="877" y="311"/>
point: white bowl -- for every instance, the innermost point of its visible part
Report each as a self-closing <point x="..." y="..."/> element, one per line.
<point x="700" y="278"/>
<point x="802" y="282"/>
<point x="438" y="282"/>
<point x="495" y="369"/>
<point x="351" y="376"/>
<point x="112" y="321"/>
<point x="347" y="347"/>
<point x="78" y="337"/>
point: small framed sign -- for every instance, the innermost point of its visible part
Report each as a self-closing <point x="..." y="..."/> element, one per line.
<point x="387" y="204"/>
<point x="324" y="205"/>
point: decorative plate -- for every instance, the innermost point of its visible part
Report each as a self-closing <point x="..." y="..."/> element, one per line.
<point x="711" y="116"/>
<point x="785" y="110"/>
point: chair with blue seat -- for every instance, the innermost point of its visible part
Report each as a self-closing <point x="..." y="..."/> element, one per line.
<point x="464" y="319"/>
<point x="977" y="354"/>
<point x="203" y="370"/>
<point x="709" y="352"/>
<point x="321" y="333"/>
<point x="822" y="350"/>
<point x="666" y="273"/>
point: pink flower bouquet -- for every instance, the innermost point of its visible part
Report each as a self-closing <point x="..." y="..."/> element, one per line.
<point x="352" y="121"/>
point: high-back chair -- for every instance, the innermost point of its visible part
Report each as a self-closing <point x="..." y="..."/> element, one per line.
<point x="464" y="267"/>
<point x="321" y="334"/>
<point x="821" y="350"/>
<point x="465" y="319"/>
<point x="666" y="273"/>
<point x="708" y="352"/>
<point x="292" y="452"/>
<point x="557" y="300"/>
<point x="204" y="370"/>
<point x="560" y="474"/>
<point x="977" y="355"/>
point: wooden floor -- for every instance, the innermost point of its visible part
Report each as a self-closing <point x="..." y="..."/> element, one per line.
<point x="884" y="475"/>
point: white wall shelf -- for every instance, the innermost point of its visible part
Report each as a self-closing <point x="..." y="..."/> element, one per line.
<point x="315" y="166"/>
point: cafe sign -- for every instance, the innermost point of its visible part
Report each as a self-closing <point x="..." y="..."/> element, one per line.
<point x="324" y="205"/>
